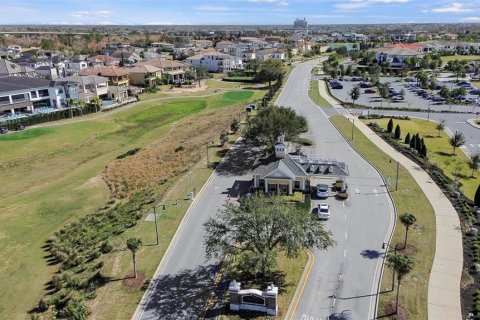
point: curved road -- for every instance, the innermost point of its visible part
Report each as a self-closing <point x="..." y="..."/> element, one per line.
<point x="344" y="278"/>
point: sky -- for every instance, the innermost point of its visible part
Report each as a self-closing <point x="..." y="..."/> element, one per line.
<point x="239" y="12"/>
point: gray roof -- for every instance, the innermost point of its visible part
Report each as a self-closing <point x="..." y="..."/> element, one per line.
<point x="315" y="166"/>
<point x="287" y="166"/>
<point x="85" y="80"/>
<point x="15" y="83"/>
<point x="10" y="68"/>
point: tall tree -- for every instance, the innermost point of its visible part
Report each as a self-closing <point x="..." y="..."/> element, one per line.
<point x="408" y="220"/>
<point x="457" y="140"/>
<point x="270" y="70"/>
<point x="260" y="227"/>
<point x="398" y="132"/>
<point x="201" y="73"/>
<point x="477" y="197"/>
<point x="390" y="125"/>
<point x="474" y="163"/>
<point x="270" y="122"/>
<point x="402" y="265"/>
<point x="407" y="138"/>
<point x="354" y="94"/>
<point x="134" y="244"/>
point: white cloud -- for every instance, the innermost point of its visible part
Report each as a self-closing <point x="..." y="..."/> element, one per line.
<point x="278" y="2"/>
<point x="213" y="8"/>
<point x="101" y="14"/>
<point x="454" y="7"/>
<point x="471" y="19"/>
<point x="358" y="4"/>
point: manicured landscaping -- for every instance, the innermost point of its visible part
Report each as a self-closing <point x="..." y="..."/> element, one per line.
<point x="55" y="175"/>
<point x="315" y="94"/>
<point x="439" y="151"/>
<point x="421" y="236"/>
<point x="446" y="59"/>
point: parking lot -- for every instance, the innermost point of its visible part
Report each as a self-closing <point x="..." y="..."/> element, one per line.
<point x="413" y="94"/>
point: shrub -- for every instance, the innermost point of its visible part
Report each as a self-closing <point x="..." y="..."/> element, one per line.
<point x="106" y="247"/>
<point x="398" y="132"/>
<point x="407" y="138"/>
<point x="390" y="126"/>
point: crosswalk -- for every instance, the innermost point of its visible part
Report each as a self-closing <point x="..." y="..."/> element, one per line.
<point x="474" y="145"/>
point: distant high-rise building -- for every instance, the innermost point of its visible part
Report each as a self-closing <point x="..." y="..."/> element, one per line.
<point x="300" y="24"/>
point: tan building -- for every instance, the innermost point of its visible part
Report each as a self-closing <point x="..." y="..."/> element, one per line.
<point x="144" y="75"/>
<point x="174" y="69"/>
<point x="116" y="76"/>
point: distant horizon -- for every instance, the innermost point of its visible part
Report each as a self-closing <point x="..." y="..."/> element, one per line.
<point x="236" y="12"/>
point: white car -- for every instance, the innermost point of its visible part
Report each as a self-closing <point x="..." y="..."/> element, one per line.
<point x="323" y="211"/>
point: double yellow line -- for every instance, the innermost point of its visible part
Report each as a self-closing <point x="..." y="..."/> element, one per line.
<point x="311" y="259"/>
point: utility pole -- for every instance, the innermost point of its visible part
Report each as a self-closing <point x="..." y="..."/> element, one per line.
<point x="384" y="245"/>
<point x="353" y="126"/>
<point x="396" y="178"/>
<point x="208" y="163"/>
<point x="156" y="225"/>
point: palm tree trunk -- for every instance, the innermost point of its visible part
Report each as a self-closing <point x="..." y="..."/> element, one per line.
<point x="398" y="294"/>
<point x="134" y="266"/>
<point x="406" y="236"/>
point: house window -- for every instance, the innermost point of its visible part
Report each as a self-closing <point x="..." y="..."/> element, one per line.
<point x="33" y="94"/>
<point x="297" y="185"/>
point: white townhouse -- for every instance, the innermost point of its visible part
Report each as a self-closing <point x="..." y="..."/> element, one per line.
<point x="216" y="61"/>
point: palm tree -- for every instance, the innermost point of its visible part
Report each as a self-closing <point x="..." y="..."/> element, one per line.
<point x="474" y="163"/>
<point x="440" y="126"/>
<point x="354" y="94"/>
<point x="407" y="219"/>
<point x="134" y="244"/>
<point x="457" y="140"/>
<point x="402" y="265"/>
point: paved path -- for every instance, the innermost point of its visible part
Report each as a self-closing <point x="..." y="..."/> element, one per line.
<point x="344" y="278"/>
<point x="445" y="276"/>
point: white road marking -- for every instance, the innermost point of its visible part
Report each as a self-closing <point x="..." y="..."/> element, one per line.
<point x="309" y="317"/>
<point x="357" y="191"/>
<point x="343" y="203"/>
<point x="345" y="216"/>
<point x="346" y="234"/>
<point x="216" y="187"/>
<point x="344" y="253"/>
<point x="376" y="192"/>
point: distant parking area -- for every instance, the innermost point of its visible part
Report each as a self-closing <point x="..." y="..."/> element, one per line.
<point x="413" y="96"/>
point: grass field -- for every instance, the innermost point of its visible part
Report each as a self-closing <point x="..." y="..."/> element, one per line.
<point x="51" y="177"/>
<point x="440" y="152"/>
<point x="315" y="94"/>
<point x="414" y="288"/>
<point x="446" y="59"/>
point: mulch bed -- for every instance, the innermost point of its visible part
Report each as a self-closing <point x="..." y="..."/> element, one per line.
<point x="131" y="281"/>
<point x="409" y="250"/>
<point x="402" y="313"/>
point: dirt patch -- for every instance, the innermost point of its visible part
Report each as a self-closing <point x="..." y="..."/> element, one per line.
<point x="131" y="281"/>
<point x="409" y="250"/>
<point x="402" y="313"/>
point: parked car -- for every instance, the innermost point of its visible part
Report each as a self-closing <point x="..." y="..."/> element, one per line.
<point x="3" y="130"/>
<point x="365" y="85"/>
<point x="19" y="127"/>
<point x="336" y="85"/>
<point x="369" y="91"/>
<point x="323" y="211"/>
<point x="323" y="190"/>
<point x="475" y="91"/>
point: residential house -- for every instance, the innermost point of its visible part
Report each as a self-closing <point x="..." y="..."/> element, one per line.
<point x="117" y="93"/>
<point x="202" y="43"/>
<point x="216" y="62"/>
<point x="144" y="75"/>
<point x="102" y="60"/>
<point x="47" y="72"/>
<point x="222" y="45"/>
<point x="270" y="54"/>
<point x="8" y="68"/>
<point x="78" y="63"/>
<point x="24" y="94"/>
<point x="162" y="45"/>
<point x="88" y="87"/>
<point x="175" y="70"/>
<point x="127" y="57"/>
<point x="403" y="37"/>
<point x="116" y="76"/>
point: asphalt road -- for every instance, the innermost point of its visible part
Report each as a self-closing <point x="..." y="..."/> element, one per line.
<point x="344" y="278"/>
<point x="185" y="278"/>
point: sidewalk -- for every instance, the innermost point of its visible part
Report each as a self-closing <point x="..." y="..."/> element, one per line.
<point x="445" y="276"/>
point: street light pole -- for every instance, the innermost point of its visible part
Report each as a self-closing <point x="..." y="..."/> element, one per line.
<point x="156" y="225"/>
<point x="353" y="126"/>
<point x="428" y="114"/>
<point x="208" y="163"/>
<point x="396" y="178"/>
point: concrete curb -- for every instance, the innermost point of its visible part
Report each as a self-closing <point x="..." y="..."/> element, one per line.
<point x="472" y="123"/>
<point x="151" y="287"/>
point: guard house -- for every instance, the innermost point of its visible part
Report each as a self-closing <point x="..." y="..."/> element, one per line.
<point x="280" y="147"/>
<point x="293" y="173"/>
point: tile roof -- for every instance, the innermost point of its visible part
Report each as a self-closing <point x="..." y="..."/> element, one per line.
<point x="145" y="68"/>
<point x="162" y="63"/>
<point x="85" y="80"/>
<point x="14" y="83"/>
<point x="10" y="68"/>
<point x="104" y="71"/>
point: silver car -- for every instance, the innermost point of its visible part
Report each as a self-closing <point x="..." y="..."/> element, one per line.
<point x="323" y="190"/>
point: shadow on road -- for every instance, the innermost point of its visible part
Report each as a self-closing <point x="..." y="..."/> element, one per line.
<point x="182" y="295"/>
<point x="371" y="254"/>
<point x="240" y="160"/>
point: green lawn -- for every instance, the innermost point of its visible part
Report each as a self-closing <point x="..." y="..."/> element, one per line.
<point x="51" y="177"/>
<point x="446" y="59"/>
<point x="315" y="94"/>
<point x="440" y="151"/>
<point x="476" y="84"/>
<point x="408" y="198"/>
